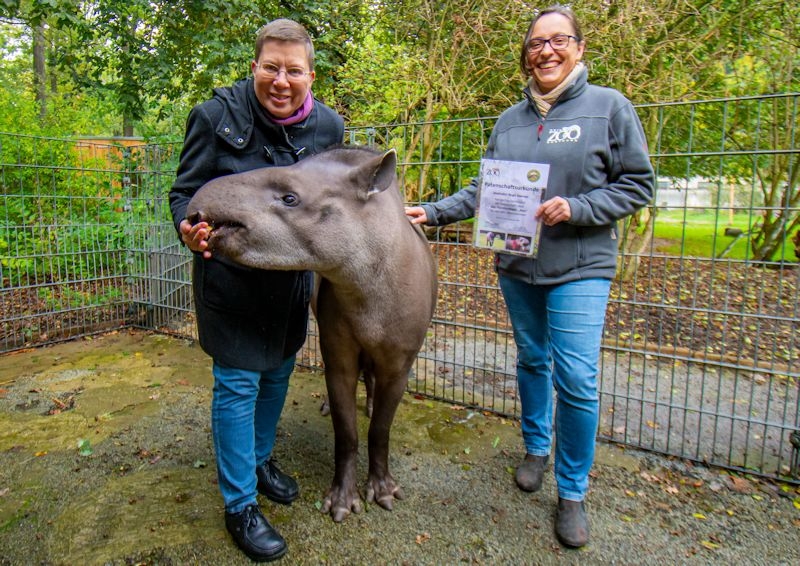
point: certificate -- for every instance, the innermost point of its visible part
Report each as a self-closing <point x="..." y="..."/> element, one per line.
<point x="509" y="193"/>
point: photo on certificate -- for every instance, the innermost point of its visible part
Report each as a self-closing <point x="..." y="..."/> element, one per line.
<point x="509" y="193"/>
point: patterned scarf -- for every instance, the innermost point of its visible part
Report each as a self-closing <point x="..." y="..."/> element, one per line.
<point x="545" y="101"/>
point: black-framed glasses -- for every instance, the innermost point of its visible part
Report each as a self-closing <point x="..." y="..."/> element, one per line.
<point x="558" y="42"/>
<point x="271" y="71"/>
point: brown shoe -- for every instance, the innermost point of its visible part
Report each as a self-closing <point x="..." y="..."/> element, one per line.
<point x="530" y="472"/>
<point x="572" y="525"/>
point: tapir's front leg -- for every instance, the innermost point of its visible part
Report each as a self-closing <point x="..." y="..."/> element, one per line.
<point x="389" y="388"/>
<point x="343" y="497"/>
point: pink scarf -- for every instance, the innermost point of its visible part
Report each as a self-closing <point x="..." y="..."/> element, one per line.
<point x="301" y="114"/>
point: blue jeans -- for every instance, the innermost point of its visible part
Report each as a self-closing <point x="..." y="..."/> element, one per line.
<point x="558" y="330"/>
<point x="245" y="410"/>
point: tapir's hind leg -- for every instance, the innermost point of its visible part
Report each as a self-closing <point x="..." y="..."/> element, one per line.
<point x="343" y="498"/>
<point x="381" y="486"/>
<point x="368" y="374"/>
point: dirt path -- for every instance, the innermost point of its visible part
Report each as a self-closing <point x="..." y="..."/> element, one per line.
<point x="106" y="458"/>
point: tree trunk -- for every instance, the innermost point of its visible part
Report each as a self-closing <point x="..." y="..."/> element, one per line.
<point x="127" y="126"/>
<point x="39" y="76"/>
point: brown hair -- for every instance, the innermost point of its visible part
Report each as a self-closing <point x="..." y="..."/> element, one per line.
<point x="554" y="9"/>
<point x="285" y="30"/>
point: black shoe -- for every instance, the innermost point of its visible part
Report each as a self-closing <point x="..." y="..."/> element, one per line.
<point x="276" y="485"/>
<point x="254" y="535"/>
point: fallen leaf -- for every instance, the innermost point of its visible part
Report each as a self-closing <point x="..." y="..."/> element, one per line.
<point x="85" y="447"/>
<point x="740" y="485"/>
<point x="709" y="545"/>
<point x="699" y="516"/>
<point x="650" y="477"/>
<point x="41" y="453"/>
<point x="424" y="537"/>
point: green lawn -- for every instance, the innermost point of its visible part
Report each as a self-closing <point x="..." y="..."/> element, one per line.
<point x="693" y="234"/>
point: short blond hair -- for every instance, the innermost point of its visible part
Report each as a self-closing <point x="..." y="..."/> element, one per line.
<point x="287" y="30"/>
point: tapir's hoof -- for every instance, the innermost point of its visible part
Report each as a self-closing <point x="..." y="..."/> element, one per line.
<point x="340" y="505"/>
<point x="384" y="493"/>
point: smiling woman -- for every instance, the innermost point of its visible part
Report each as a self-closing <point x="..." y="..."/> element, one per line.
<point x="548" y="54"/>
<point x="283" y="79"/>
<point x="599" y="173"/>
<point x="251" y="322"/>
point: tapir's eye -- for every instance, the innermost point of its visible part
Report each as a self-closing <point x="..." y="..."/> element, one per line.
<point x="290" y="199"/>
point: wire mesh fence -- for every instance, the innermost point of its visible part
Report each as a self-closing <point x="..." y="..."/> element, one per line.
<point x="700" y="353"/>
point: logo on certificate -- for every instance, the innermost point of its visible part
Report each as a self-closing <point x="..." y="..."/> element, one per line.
<point x="534" y="175"/>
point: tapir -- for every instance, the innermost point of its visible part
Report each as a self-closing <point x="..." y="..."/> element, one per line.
<point x="340" y="214"/>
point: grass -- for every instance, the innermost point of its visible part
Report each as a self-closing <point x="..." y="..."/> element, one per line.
<point x="691" y="233"/>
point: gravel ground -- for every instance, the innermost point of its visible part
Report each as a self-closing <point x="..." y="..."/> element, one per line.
<point x="106" y="458"/>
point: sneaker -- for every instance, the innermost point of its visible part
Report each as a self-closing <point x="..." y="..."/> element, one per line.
<point x="530" y="472"/>
<point x="572" y="525"/>
<point x="254" y="535"/>
<point x="274" y="484"/>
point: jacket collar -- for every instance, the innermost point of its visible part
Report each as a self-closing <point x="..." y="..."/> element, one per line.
<point x="241" y="109"/>
<point x="236" y="124"/>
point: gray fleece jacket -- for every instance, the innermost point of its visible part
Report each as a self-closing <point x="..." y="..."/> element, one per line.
<point x="596" y="148"/>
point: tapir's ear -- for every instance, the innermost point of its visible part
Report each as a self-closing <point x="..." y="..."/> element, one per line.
<point x="381" y="173"/>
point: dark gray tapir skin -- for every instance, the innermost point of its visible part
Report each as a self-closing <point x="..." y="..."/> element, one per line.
<point x="339" y="213"/>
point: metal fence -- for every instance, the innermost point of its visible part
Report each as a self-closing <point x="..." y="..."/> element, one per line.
<point x="700" y="356"/>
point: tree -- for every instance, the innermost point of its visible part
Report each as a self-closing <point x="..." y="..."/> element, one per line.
<point x="451" y="59"/>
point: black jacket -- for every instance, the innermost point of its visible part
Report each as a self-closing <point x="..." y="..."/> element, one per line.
<point x="246" y="318"/>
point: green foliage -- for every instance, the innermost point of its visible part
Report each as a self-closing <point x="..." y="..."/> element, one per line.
<point x="67" y="213"/>
<point x="113" y="65"/>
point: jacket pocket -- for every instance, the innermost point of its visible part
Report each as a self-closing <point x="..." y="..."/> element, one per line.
<point x="559" y="250"/>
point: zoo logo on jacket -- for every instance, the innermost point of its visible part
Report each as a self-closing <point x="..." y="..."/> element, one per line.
<point x="565" y="134"/>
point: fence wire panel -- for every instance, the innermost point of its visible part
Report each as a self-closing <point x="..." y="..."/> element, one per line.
<point x="162" y="278"/>
<point x="83" y="238"/>
<point x="65" y="258"/>
<point x="700" y="353"/>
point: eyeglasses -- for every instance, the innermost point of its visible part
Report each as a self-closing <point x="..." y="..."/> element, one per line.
<point x="558" y="42"/>
<point x="271" y="71"/>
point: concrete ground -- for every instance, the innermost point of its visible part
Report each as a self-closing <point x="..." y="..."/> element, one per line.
<point x="106" y="458"/>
